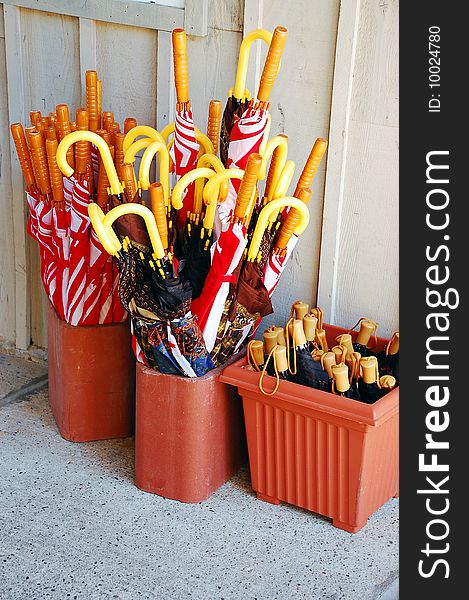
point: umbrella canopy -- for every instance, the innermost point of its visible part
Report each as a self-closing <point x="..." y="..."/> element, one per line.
<point x="238" y="97"/>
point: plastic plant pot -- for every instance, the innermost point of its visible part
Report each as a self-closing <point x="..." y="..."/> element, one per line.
<point x="189" y="434"/>
<point x="91" y="379"/>
<point x="326" y="453"/>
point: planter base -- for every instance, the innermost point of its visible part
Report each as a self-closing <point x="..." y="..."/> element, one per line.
<point x="269" y="499"/>
<point x="347" y="526"/>
<point x="91" y="380"/>
<point x="189" y="434"/>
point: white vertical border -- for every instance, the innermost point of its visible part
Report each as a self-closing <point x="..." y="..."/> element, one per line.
<point x="165" y="92"/>
<point x="16" y="113"/>
<point x="337" y="156"/>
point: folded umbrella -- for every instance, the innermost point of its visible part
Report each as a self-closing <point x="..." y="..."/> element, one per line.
<point x="93" y="290"/>
<point x="250" y="300"/>
<point x="249" y="133"/>
<point x="227" y="250"/>
<point x="157" y="298"/>
<point x="185" y="148"/>
<point x="238" y="97"/>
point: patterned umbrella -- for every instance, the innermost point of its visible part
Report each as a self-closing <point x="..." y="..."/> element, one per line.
<point x="93" y="282"/>
<point x="286" y="240"/>
<point x="227" y="252"/>
<point x="251" y="300"/>
<point x="157" y="299"/>
<point x="249" y="133"/>
<point x="185" y="148"/>
<point x="238" y="96"/>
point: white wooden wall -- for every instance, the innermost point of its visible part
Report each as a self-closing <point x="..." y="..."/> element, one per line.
<point x="338" y="80"/>
<point x="359" y="268"/>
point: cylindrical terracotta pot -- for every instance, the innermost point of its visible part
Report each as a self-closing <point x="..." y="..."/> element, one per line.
<point x="189" y="434"/>
<point x="91" y="379"/>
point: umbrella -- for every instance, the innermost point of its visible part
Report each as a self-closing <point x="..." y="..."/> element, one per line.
<point x="159" y="303"/>
<point x="94" y="280"/>
<point x="249" y="133"/>
<point x="250" y="300"/>
<point x="53" y="214"/>
<point x="40" y="214"/>
<point x="369" y="389"/>
<point x="214" y="124"/>
<point x="238" y="96"/>
<point x="227" y="251"/>
<point x="185" y="148"/>
<point x="286" y="239"/>
<point x="198" y="232"/>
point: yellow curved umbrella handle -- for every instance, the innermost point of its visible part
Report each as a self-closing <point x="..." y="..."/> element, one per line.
<point x="98" y="141"/>
<point x="282" y="186"/>
<point x="141" y="130"/>
<point x="144" y="172"/>
<point x="211" y="188"/>
<point x="211" y="161"/>
<point x="186" y="180"/>
<point x="280" y="142"/>
<point x="275" y="206"/>
<point x="132" y="208"/>
<point x="135" y="148"/>
<point x="108" y="239"/>
<point x="243" y="60"/>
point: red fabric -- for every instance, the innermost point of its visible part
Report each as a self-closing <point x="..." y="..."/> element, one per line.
<point x="184" y="153"/>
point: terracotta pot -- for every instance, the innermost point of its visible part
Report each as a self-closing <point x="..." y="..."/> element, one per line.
<point x="91" y="379"/>
<point x="329" y="454"/>
<point x="189" y="434"/>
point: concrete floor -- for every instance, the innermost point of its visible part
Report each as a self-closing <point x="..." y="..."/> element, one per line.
<point x="73" y="525"/>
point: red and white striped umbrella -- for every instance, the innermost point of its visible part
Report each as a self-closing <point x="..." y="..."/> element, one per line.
<point x="250" y="132"/>
<point x="185" y="149"/>
<point x="227" y="255"/>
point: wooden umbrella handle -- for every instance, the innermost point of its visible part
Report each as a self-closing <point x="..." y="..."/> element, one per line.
<point x="311" y="166"/>
<point x="64" y="128"/>
<point x="102" y="195"/>
<point x="82" y="147"/>
<point x="34" y="115"/>
<point x="128" y="177"/>
<point x="92" y="99"/>
<point x="158" y="208"/>
<point x="214" y="123"/>
<point x="119" y="152"/>
<point x="129" y="123"/>
<point x="181" y="71"/>
<point x="272" y="62"/>
<point x="21" y="146"/>
<point x="39" y="160"/>
<point x="55" y="174"/>
<point x="248" y="184"/>
<point x="290" y="223"/>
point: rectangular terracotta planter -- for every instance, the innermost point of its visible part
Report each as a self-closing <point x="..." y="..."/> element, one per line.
<point x="189" y="434"/>
<point x="91" y="379"/>
<point x="331" y="455"/>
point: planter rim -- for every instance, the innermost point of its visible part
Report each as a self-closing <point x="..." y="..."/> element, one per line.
<point x="313" y="399"/>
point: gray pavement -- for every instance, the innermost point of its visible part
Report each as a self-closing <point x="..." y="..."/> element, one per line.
<point x="73" y="525"/>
